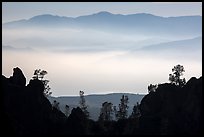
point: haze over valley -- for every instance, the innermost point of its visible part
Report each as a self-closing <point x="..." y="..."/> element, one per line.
<point x="102" y="68"/>
<point x="103" y="52"/>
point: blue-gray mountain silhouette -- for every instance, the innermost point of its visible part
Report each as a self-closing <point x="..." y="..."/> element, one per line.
<point x="142" y="23"/>
<point x="94" y="102"/>
<point x="11" y="48"/>
<point x="187" y="45"/>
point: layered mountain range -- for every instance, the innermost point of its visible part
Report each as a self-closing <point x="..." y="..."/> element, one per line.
<point x="142" y="22"/>
<point x="103" y="31"/>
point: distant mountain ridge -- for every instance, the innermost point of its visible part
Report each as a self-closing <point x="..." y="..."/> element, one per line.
<point x="141" y="22"/>
<point x="94" y="102"/>
<point x="193" y="44"/>
<point x="11" y="48"/>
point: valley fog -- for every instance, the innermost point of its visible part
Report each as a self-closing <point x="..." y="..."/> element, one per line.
<point x="100" y="72"/>
<point x="97" y="61"/>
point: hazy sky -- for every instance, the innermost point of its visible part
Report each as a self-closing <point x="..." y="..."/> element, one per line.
<point x="95" y="72"/>
<point x="24" y="10"/>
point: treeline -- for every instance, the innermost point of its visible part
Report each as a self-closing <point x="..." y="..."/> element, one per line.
<point x="173" y="108"/>
<point x="108" y="112"/>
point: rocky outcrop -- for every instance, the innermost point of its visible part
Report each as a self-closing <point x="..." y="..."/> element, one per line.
<point x="18" y="77"/>
<point x="26" y="111"/>
<point x="173" y="110"/>
<point x="170" y="110"/>
<point x="191" y="106"/>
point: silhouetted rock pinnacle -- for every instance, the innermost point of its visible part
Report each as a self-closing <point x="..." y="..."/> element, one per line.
<point x="18" y="77"/>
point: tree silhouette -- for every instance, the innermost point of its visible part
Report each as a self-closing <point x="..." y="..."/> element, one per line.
<point x="152" y="88"/>
<point x="55" y="105"/>
<point x="39" y="75"/>
<point x="106" y="111"/>
<point x="67" y="110"/>
<point x="136" y="111"/>
<point x="170" y="111"/>
<point x="175" y="77"/>
<point x="122" y="113"/>
<point x="115" y="112"/>
<point x="82" y="104"/>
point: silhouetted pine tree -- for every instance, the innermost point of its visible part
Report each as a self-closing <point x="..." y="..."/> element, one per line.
<point x="39" y="75"/>
<point x="106" y="112"/>
<point x="55" y="104"/>
<point x="152" y="88"/>
<point x="82" y="104"/>
<point x="67" y="110"/>
<point x="135" y="111"/>
<point x="122" y="113"/>
<point x="175" y="77"/>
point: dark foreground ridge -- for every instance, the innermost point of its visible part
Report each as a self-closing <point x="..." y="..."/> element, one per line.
<point x="170" y="110"/>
